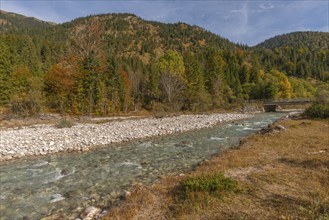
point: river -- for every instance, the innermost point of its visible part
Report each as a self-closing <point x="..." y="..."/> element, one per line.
<point x="68" y="183"/>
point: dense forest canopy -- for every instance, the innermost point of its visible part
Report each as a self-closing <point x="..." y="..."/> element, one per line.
<point x="111" y="63"/>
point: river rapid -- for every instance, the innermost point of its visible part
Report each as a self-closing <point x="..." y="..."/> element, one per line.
<point x="68" y="183"/>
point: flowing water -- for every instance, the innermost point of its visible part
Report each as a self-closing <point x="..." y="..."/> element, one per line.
<point x="34" y="188"/>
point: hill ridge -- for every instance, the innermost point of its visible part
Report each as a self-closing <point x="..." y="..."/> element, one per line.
<point x="309" y="39"/>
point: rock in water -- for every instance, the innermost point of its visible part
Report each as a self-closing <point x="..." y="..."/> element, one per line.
<point x="125" y="195"/>
<point x="145" y="162"/>
<point x="56" y="198"/>
<point x="67" y="171"/>
<point x="280" y="127"/>
<point x="71" y="194"/>
<point x="184" y="144"/>
<point x="90" y="213"/>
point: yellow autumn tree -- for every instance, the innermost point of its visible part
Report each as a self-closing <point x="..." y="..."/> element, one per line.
<point x="282" y="83"/>
<point x="172" y="77"/>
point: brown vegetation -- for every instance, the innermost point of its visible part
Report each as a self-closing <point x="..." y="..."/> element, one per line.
<point x="283" y="175"/>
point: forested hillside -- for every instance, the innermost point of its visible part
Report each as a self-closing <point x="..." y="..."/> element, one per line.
<point x="307" y="39"/>
<point x="16" y="22"/>
<point x="301" y="54"/>
<point x="111" y="63"/>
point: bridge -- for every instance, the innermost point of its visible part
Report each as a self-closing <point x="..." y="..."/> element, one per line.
<point x="271" y="105"/>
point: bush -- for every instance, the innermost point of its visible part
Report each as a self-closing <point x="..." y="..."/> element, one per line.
<point x="64" y="123"/>
<point x="317" y="111"/>
<point x="210" y="183"/>
<point x="25" y="108"/>
<point x="322" y="95"/>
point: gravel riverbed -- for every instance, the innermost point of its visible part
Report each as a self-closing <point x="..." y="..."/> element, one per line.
<point x="47" y="139"/>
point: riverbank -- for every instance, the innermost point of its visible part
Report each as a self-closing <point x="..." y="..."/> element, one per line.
<point x="26" y="141"/>
<point x="282" y="174"/>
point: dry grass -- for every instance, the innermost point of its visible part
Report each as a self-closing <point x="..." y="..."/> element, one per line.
<point x="284" y="175"/>
<point x="145" y="202"/>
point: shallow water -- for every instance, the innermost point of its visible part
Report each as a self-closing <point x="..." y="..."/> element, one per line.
<point x="34" y="188"/>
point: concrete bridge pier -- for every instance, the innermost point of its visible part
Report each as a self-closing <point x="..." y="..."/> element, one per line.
<point x="270" y="107"/>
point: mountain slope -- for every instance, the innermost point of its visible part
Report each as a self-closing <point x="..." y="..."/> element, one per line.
<point x="129" y="35"/>
<point x="15" y="22"/>
<point x="308" y="39"/>
<point x="109" y="63"/>
<point x="124" y="34"/>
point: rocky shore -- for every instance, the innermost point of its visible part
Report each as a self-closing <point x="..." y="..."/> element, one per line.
<point x="47" y="139"/>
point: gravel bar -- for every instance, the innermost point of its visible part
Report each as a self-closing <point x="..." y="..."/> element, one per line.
<point x="47" y="139"/>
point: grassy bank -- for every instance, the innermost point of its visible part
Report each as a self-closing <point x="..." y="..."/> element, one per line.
<point x="277" y="175"/>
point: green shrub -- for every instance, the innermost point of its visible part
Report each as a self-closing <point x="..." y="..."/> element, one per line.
<point x="210" y="183"/>
<point x="317" y="111"/>
<point x="64" y="123"/>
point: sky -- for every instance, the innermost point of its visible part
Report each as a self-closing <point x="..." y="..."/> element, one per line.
<point x="248" y="22"/>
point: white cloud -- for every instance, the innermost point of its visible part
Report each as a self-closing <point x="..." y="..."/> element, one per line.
<point x="266" y="6"/>
<point x="241" y="27"/>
